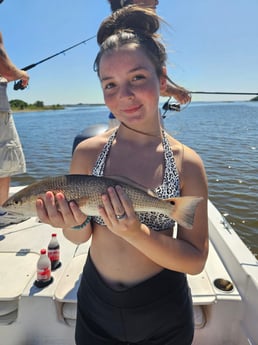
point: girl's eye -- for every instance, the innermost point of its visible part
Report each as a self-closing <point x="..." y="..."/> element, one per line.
<point x="109" y="86"/>
<point x="139" y="77"/>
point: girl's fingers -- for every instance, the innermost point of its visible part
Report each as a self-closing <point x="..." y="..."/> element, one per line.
<point x="41" y="210"/>
<point x="126" y="203"/>
<point x="108" y="209"/>
<point x="78" y="215"/>
<point x="56" y="211"/>
<point x="116" y="205"/>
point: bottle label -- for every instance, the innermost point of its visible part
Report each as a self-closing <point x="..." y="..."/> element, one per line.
<point x="53" y="254"/>
<point x="44" y="274"/>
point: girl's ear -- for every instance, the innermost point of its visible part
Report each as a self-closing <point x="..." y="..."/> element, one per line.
<point x="163" y="80"/>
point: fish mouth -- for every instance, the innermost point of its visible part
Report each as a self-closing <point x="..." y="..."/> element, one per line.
<point x="6" y="212"/>
<point x="10" y="217"/>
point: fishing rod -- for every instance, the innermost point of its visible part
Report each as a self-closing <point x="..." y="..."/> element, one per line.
<point x="18" y="84"/>
<point x="212" y="92"/>
<point x="224" y="93"/>
<point x="168" y="105"/>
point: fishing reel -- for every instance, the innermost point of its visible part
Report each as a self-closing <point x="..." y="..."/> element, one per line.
<point x="18" y="85"/>
<point x="171" y="106"/>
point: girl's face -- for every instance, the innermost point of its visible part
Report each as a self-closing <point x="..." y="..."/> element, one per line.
<point x="146" y="3"/>
<point x="130" y="85"/>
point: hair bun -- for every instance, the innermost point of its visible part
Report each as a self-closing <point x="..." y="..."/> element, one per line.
<point x="132" y="18"/>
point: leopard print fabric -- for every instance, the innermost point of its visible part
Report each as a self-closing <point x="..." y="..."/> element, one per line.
<point x="170" y="186"/>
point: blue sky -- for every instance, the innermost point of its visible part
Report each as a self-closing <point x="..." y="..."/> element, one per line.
<point x="212" y="46"/>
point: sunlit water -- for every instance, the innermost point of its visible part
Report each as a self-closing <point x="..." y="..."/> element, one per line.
<point x="224" y="134"/>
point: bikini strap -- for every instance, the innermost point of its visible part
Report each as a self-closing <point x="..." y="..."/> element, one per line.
<point x="99" y="167"/>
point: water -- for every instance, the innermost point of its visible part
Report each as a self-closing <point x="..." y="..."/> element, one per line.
<point x="224" y="134"/>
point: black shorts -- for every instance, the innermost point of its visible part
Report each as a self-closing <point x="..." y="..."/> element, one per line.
<point x="157" y="311"/>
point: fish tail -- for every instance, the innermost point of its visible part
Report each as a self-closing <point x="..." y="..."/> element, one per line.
<point x="184" y="209"/>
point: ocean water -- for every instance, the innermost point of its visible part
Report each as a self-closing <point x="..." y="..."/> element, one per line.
<point x="224" y="134"/>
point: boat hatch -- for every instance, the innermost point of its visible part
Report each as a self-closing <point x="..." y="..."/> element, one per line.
<point x="16" y="271"/>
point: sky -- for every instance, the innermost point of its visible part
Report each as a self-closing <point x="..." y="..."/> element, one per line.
<point x="212" y="45"/>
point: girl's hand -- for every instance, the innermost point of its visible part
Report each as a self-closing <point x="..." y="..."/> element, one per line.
<point x="56" y="211"/>
<point x="118" y="212"/>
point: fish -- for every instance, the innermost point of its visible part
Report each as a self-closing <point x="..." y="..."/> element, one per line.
<point x="86" y="191"/>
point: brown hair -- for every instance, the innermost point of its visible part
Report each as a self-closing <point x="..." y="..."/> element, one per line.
<point x="132" y="24"/>
<point x="117" y="4"/>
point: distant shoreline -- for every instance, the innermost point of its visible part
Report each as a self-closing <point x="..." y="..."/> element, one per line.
<point x="28" y="110"/>
<point x="64" y="106"/>
<point x="53" y="107"/>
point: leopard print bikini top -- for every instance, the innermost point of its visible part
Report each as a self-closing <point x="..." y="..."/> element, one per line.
<point x="169" y="188"/>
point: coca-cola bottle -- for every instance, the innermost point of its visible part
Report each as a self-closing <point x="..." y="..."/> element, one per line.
<point x="43" y="270"/>
<point x="54" y="252"/>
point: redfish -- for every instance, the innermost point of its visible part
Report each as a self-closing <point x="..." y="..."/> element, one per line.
<point x="86" y="191"/>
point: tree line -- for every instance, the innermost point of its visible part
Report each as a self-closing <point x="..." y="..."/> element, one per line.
<point x="18" y="104"/>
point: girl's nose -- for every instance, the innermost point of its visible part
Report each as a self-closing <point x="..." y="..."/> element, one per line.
<point x="126" y="92"/>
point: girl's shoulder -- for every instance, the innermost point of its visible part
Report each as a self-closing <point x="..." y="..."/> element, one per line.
<point x="87" y="151"/>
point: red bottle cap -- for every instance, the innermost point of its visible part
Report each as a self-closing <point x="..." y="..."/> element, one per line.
<point x="43" y="251"/>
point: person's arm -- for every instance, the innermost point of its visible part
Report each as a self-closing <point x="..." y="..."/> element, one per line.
<point x="8" y="70"/>
<point x="180" y="94"/>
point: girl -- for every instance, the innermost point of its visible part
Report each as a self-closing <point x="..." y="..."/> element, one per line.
<point x="133" y="288"/>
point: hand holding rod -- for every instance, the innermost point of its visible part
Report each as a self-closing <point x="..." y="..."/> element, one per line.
<point x="18" y="84"/>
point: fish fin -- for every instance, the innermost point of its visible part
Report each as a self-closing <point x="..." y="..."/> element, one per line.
<point x="183" y="210"/>
<point x="129" y="182"/>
